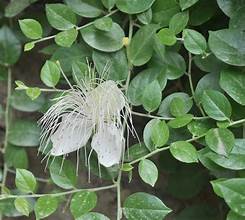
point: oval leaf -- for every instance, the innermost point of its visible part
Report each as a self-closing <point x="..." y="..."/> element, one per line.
<point x="148" y="172"/>
<point x="184" y="151"/>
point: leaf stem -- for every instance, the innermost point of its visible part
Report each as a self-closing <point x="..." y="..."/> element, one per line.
<point x="164" y="118"/>
<point x="3" y="197"/>
<point x="7" y="114"/>
<point x="160" y="150"/>
<point x="78" y="28"/>
<point x="191" y="83"/>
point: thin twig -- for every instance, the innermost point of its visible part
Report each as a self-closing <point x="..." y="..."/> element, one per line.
<point x="3" y="197"/>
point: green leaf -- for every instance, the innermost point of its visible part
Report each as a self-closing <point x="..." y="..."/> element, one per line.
<point x="232" y="190"/>
<point x="31" y="28"/>
<point x="25" y="181"/>
<point x="180" y="121"/>
<point x="230" y="7"/>
<point x="67" y="55"/>
<point x="127" y="167"/>
<point x="148" y="172"/>
<point x="141" y="80"/>
<point x="163" y="11"/>
<point x="33" y="92"/>
<point x="141" y="47"/>
<point x="60" y="16"/>
<point x="10" y="47"/>
<point x="167" y="36"/>
<point x="93" y="216"/>
<point x="29" y="46"/>
<point x="116" y="62"/>
<point x="164" y="109"/>
<point x="109" y="4"/>
<point x="226" y="46"/>
<point x="194" y="41"/>
<point x="66" y="38"/>
<point x="86" y="8"/>
<point x="108" y="41"/>
<point x="184" y="152"/>
<point x="147" y="134"/>
<point x="179" y="21"/>
<point x="24" y="133"/>
<point x="216" y="105"/>
<point x="202" y="12"/>
<point x="232" y="81"/>
<point x="144" y="206"/>
<point x="152" y="96"/>
<point x="22" y="206"/>
<point x="199" y="127"/>
<point x="159" y="133"/>
<point x="16" y="157"/>
<point x="233" y="216"/>
<point x="145" y="17"/>
<point x="220" y="140"/>
<point x="207" y="82"/>
<point x="65" y="176"/>
<point x="45" y="206"/>
<point x="103" y="24"/>
<point x="14" y="7"/>
<point x="177" y="107"/>
<point x="136" y="151"/>
<point x="184" y="4"/>
<point x="82" y="202"/>
<point x="133" y="7"/>
<point x="80" y="72"/>
<point x="20" y="101"/>
<point x="173" y="65"/>
<point x="237" y="20"/>
<point x="50" y="74"/>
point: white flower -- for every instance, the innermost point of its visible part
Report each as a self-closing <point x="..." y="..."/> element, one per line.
<point x="96" y="111"/>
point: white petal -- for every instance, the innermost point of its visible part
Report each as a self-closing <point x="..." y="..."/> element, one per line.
<point x="108" y="144"/>
<point x="72" y="134"/>
<point x="106" y="100"/>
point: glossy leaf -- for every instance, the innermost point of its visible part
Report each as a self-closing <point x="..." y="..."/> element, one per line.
<point x="103" y="24"/>
<point x="10" y="46"/>
<point x="144" y="206"/>
<point x="116" y="62"/>
<point x="133" y="7"/>
<point x="159" y="133"/>
<point x="179" y="21"/>
<point x="232" y="81"/>
<point x="24" y="133"/>
<point x="31" y="28"/>
<point x="108" y="41"/>
<point x="25" y="181"/>
<point x="82" y="202"/>
<point x="216" y="105"/>
<point x="232" y="190"/>
<point x="145" y="17"/>
<point x="180" y="121"/>
<point x="152" y="96"/>
<point x="220" y="140"/>
<point x="45" y="206"/>
<point x="23" y="206"/>
<point x="20" y="101"/>
<point x="194" y="41"/>
<point x="60" y="16"/>
<point x="184" y="4"/>
<point x="66" y="38"/>
<point x="65" y="176"/>
<point x="93" y="216"/>
<point x="167" y="36"/>
<point x="226" y="46"/>
<point x="184" y="151"/>
<point x="148" y="172"/>
<point x="50" y="73"/>
<point x="141" y="47"/>
<point x="86" y="8"/>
